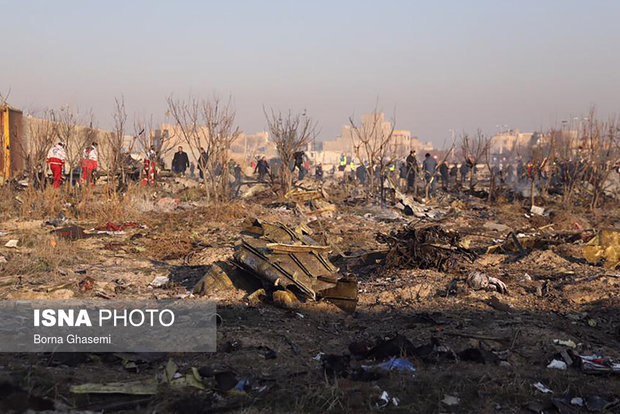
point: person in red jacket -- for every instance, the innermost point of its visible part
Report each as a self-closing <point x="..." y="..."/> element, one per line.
<point x="90" y="162"/>
<point x="56" y="158"/>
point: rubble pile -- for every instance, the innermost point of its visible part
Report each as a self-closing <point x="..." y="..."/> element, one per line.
<point x="426" y="247"/>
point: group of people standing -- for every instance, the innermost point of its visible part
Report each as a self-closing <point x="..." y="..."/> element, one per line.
<point x="57" y="158"/>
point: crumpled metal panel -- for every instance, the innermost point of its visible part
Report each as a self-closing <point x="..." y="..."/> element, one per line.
<point x="605" y="246"/>
<point x="308" y="272"/>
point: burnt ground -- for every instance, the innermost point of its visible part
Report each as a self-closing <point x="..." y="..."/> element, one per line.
<point x="553" y="293"/>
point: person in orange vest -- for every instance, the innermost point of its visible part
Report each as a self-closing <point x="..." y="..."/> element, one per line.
<point x="90" y="162"/>
<point x="56" y="158"/>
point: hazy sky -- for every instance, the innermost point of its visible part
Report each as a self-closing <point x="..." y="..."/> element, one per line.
<point x="437" y="65"/>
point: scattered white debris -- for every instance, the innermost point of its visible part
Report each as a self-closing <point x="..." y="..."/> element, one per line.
<point x="385" y="400"/>
<point x="539" y="211"/>
<point x="568" y="342"/>
<point x="319" y="356"/>
<point x="450" y="400"/>
<point x="577" y="401"/>
<point x="11" y="244"/>
<point x="540" y="387"/>
<point x="555" y="364"/>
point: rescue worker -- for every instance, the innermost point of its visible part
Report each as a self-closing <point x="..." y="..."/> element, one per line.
<point x="391" y="170"/>
<point x="149" y="167"/>
<point x="352" y="169"/>
<point x="56" y="158"/>
<point x="342" y="163"/>
<point x="90" y="163"/>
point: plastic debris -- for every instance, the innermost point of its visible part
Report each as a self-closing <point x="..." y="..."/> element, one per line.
<point x="555" y="364"/>
<point x="597" y="363"/>
<point x="394" y="364"/>
<point x="242" y="385"/>
<point x="542" y="388"/>
<point x="385" y="399"/>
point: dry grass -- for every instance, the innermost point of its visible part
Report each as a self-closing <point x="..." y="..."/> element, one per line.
<point x="97" y="204"/>
<point x="43" y="254"/>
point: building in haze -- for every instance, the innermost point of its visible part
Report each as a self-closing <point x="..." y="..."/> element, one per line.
<point x="372" y="125"/>
<point x="505" y="143"/>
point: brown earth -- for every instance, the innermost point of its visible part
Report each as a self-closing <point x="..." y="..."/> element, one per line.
<point x="552" y="294"/>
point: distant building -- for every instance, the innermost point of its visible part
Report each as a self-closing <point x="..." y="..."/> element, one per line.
<point x="372" y="124"/>
<point x="507" y="142"/>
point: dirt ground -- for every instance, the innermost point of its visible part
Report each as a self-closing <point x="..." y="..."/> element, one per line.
<point x="473" y="350"/>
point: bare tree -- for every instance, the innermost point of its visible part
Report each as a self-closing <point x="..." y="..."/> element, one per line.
<point x="571" y="167"/>
<point x="66" y="129"/>
<point x="601" y="148"/>
<point x="542" y="154"/>
<point x="291" y="133"/>
<point x="474" y="149"/>
<point x="115" y="141"/>
<point x="208" y="125"/>
<point x="372" y="142"/>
